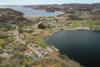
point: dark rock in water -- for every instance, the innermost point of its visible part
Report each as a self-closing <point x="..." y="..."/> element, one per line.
<point x="50" y="10"/>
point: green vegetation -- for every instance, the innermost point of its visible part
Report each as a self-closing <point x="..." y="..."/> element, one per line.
<point x="40" y="41"/>
<point x="3" y="36"/>
<point x="29" y="59"/>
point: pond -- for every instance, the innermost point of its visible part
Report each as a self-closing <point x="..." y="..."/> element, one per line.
<point x="82" y="46"/>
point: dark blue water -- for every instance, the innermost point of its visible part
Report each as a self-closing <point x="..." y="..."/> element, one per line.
<point x="82" y="46"/>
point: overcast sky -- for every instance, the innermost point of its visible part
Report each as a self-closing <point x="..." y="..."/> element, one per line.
<point x="35" y="2"/>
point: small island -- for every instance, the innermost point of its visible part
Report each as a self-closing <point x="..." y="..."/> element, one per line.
<point x="49" y="10"/>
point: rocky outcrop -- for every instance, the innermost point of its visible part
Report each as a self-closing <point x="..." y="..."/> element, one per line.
<point x="9" y="14"/>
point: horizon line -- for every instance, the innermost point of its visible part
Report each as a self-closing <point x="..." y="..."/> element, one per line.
<point x="52" y="4"/>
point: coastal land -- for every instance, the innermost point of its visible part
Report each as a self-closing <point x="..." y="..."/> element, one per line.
<point x="22" y="39"/>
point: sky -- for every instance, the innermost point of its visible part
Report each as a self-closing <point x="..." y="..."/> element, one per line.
<point x="36" y="2"/>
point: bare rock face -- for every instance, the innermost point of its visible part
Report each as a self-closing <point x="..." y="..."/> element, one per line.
<point x="42" y="26"/>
